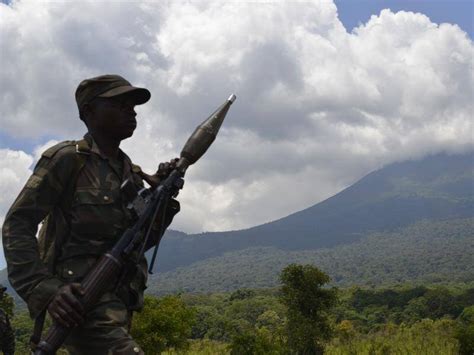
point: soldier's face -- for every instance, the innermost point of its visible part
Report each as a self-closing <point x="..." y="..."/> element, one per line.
<point x="115" y="117"/>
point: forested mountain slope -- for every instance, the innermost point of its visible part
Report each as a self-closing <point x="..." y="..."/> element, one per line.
<point x="438" y="187"/>
<point x="424" y="253"/>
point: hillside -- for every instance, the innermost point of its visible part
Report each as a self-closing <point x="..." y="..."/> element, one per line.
<point x="425" y="253"/>
<point x="438" y="187"/>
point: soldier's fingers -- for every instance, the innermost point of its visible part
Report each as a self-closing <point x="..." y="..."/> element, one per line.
<point x="57" y="318"/>
<point x="65" y="316"/>
<point x="61" y="316"/>
<point x="75" y="318"/>
<point x="69" y="313"/>
<point x="77" y="289"/>
<point x="173" y="163"/>
<point x="71" y="300"/>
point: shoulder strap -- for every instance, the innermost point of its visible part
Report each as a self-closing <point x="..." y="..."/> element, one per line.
<point x="51" y="152"/>
<point x="82" y="147"/>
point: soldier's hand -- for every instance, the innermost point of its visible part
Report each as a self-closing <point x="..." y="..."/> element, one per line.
<point x="164" y="169"/>
<point x="66" y="307"/>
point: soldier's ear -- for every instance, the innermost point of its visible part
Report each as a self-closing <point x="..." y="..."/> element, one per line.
<point x="88" y="108"/>
<point x="85" y="113"/>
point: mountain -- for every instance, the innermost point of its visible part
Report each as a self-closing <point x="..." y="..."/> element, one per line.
<point x="427" y="252"/>
<point x="438" y="187"/>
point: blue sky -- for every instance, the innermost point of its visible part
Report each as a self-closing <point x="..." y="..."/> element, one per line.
<point x="460" y="12"/>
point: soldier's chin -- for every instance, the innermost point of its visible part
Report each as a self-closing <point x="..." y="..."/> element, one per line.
<point x="128" y="132"/>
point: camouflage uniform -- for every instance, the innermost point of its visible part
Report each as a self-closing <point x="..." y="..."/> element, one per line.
<point x="96" y="216"/>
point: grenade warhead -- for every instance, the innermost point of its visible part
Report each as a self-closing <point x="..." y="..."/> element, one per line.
<point x="203" y="136"/>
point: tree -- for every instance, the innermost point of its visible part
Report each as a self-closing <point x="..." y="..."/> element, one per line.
<point x="163" y="323"/>
<point x="465" y="332"/>
<point x="7" y="304"/>
<point x="441" y="302"/>
<point x="242" y="294"/>
<point x="259" y="341"/>
<point x="308" y="304"/>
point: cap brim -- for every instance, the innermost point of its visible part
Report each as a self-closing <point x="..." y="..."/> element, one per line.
<point x="140" y="95"/>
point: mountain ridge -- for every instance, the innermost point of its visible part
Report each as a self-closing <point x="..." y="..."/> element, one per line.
<point x="427" y="252"/>
<point x="436" y="187"/>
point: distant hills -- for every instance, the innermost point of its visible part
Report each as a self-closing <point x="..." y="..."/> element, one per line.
<point x="426" y="252"/>
<point x="407" y="222"/>
<point x="438" y="187"/>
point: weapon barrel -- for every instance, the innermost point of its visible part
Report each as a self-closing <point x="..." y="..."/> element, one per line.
<point x="203" y="136"/>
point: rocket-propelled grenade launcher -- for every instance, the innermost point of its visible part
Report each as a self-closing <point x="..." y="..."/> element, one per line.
<point x="203" y="136"/>
<point x="147" y="204"/>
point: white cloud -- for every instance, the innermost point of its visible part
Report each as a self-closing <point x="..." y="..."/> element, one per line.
<point x="317" y="107"/>
<point x="41" y="148"/>
<point x="14" y="171"/>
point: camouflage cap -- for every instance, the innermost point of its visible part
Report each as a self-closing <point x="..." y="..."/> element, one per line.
<point x="109" y="86"/>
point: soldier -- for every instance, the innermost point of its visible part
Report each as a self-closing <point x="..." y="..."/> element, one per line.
<point x="7" y="337"/>
<point x="75" y="191"/>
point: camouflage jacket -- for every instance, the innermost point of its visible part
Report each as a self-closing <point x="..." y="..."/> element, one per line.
<point x="7" y="337"/>
<point x="96" y="217"/>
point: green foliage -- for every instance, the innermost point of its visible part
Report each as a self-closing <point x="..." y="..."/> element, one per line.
<point x="7" y="304"/>
<point x="440" y="301"/>
<point x="467" y="315"/>
<point x="23" y="328"/>
<point x="201" y="347"/>
<point x="424" y="337"/>
<point x="258" y="342"/>
<point x="227" y="322"/>
<point x="428" y="252"/>
<point x="368" y="321"/>
<point x="376" y="328"/>
<point x="308" y="304"/>
<point x="465" y="336"/>
<point x="368" y="310"/>
<point x="465" y="331"/>
<point x="408" y="305"/>
<point x="163" y="323"/>
<point x="223" y="316"/>
<point x="241" y="294"/>
<point x="390" y="298"/>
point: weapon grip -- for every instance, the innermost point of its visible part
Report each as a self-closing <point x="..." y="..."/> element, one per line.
<point x="95" y="284"/>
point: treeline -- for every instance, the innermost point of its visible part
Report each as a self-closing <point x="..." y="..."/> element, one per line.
<point x="427" y="252"/>
<point x="303" y="316"/>
<point x="416" y="320"/>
